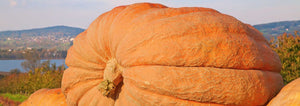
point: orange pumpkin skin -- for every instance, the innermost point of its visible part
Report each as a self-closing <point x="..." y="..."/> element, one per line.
<point x="46" y="97"/>
<point x="170" y="56"/>
<point x="289" y="95"/>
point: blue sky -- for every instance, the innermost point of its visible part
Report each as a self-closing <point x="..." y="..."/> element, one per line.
<point x="27" y="14"/>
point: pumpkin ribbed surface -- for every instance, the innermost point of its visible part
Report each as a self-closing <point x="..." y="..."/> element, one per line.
<point x="150" y="54"/>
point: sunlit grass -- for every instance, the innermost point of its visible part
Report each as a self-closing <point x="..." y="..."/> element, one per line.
<point x="15" y="97"/>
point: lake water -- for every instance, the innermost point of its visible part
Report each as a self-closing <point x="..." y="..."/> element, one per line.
<point x="7" y="65"/>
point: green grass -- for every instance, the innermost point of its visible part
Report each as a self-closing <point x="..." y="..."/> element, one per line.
<point x="15" y="97"/>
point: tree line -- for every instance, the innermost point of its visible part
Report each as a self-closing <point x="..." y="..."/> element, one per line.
<point x="42" y="53"/>
<point x="287" y="47"/>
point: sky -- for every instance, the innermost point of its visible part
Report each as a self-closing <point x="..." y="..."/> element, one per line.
<point x="28" y="14"/>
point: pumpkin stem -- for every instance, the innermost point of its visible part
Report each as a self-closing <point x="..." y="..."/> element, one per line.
<point x="112" y="77"/>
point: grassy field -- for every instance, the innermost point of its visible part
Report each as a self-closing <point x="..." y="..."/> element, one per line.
<point x="15" y="97"/>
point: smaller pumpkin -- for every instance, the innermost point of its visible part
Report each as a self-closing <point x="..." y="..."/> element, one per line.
<point x="46" y="97"/>
<point x="288" y="96"/>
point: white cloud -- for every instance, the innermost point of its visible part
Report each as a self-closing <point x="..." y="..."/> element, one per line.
<point x="12" y="3"/>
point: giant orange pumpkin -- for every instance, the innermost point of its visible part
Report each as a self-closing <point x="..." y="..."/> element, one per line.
<point x="288" y="96"/>
<point x="46" y="97"/>
<point x="149" y="54"/>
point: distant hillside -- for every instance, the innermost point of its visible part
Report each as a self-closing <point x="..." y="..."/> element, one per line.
<point x="58" y="37"/>
<point x="277" y="28"/>
<point x="53" y="31"/>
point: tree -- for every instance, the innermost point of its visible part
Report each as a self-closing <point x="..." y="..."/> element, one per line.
<point x="1" y="76"/>
<point x="32" y="60"/>
<point x="15" y="71"/>
<point x="287" y="47"/>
